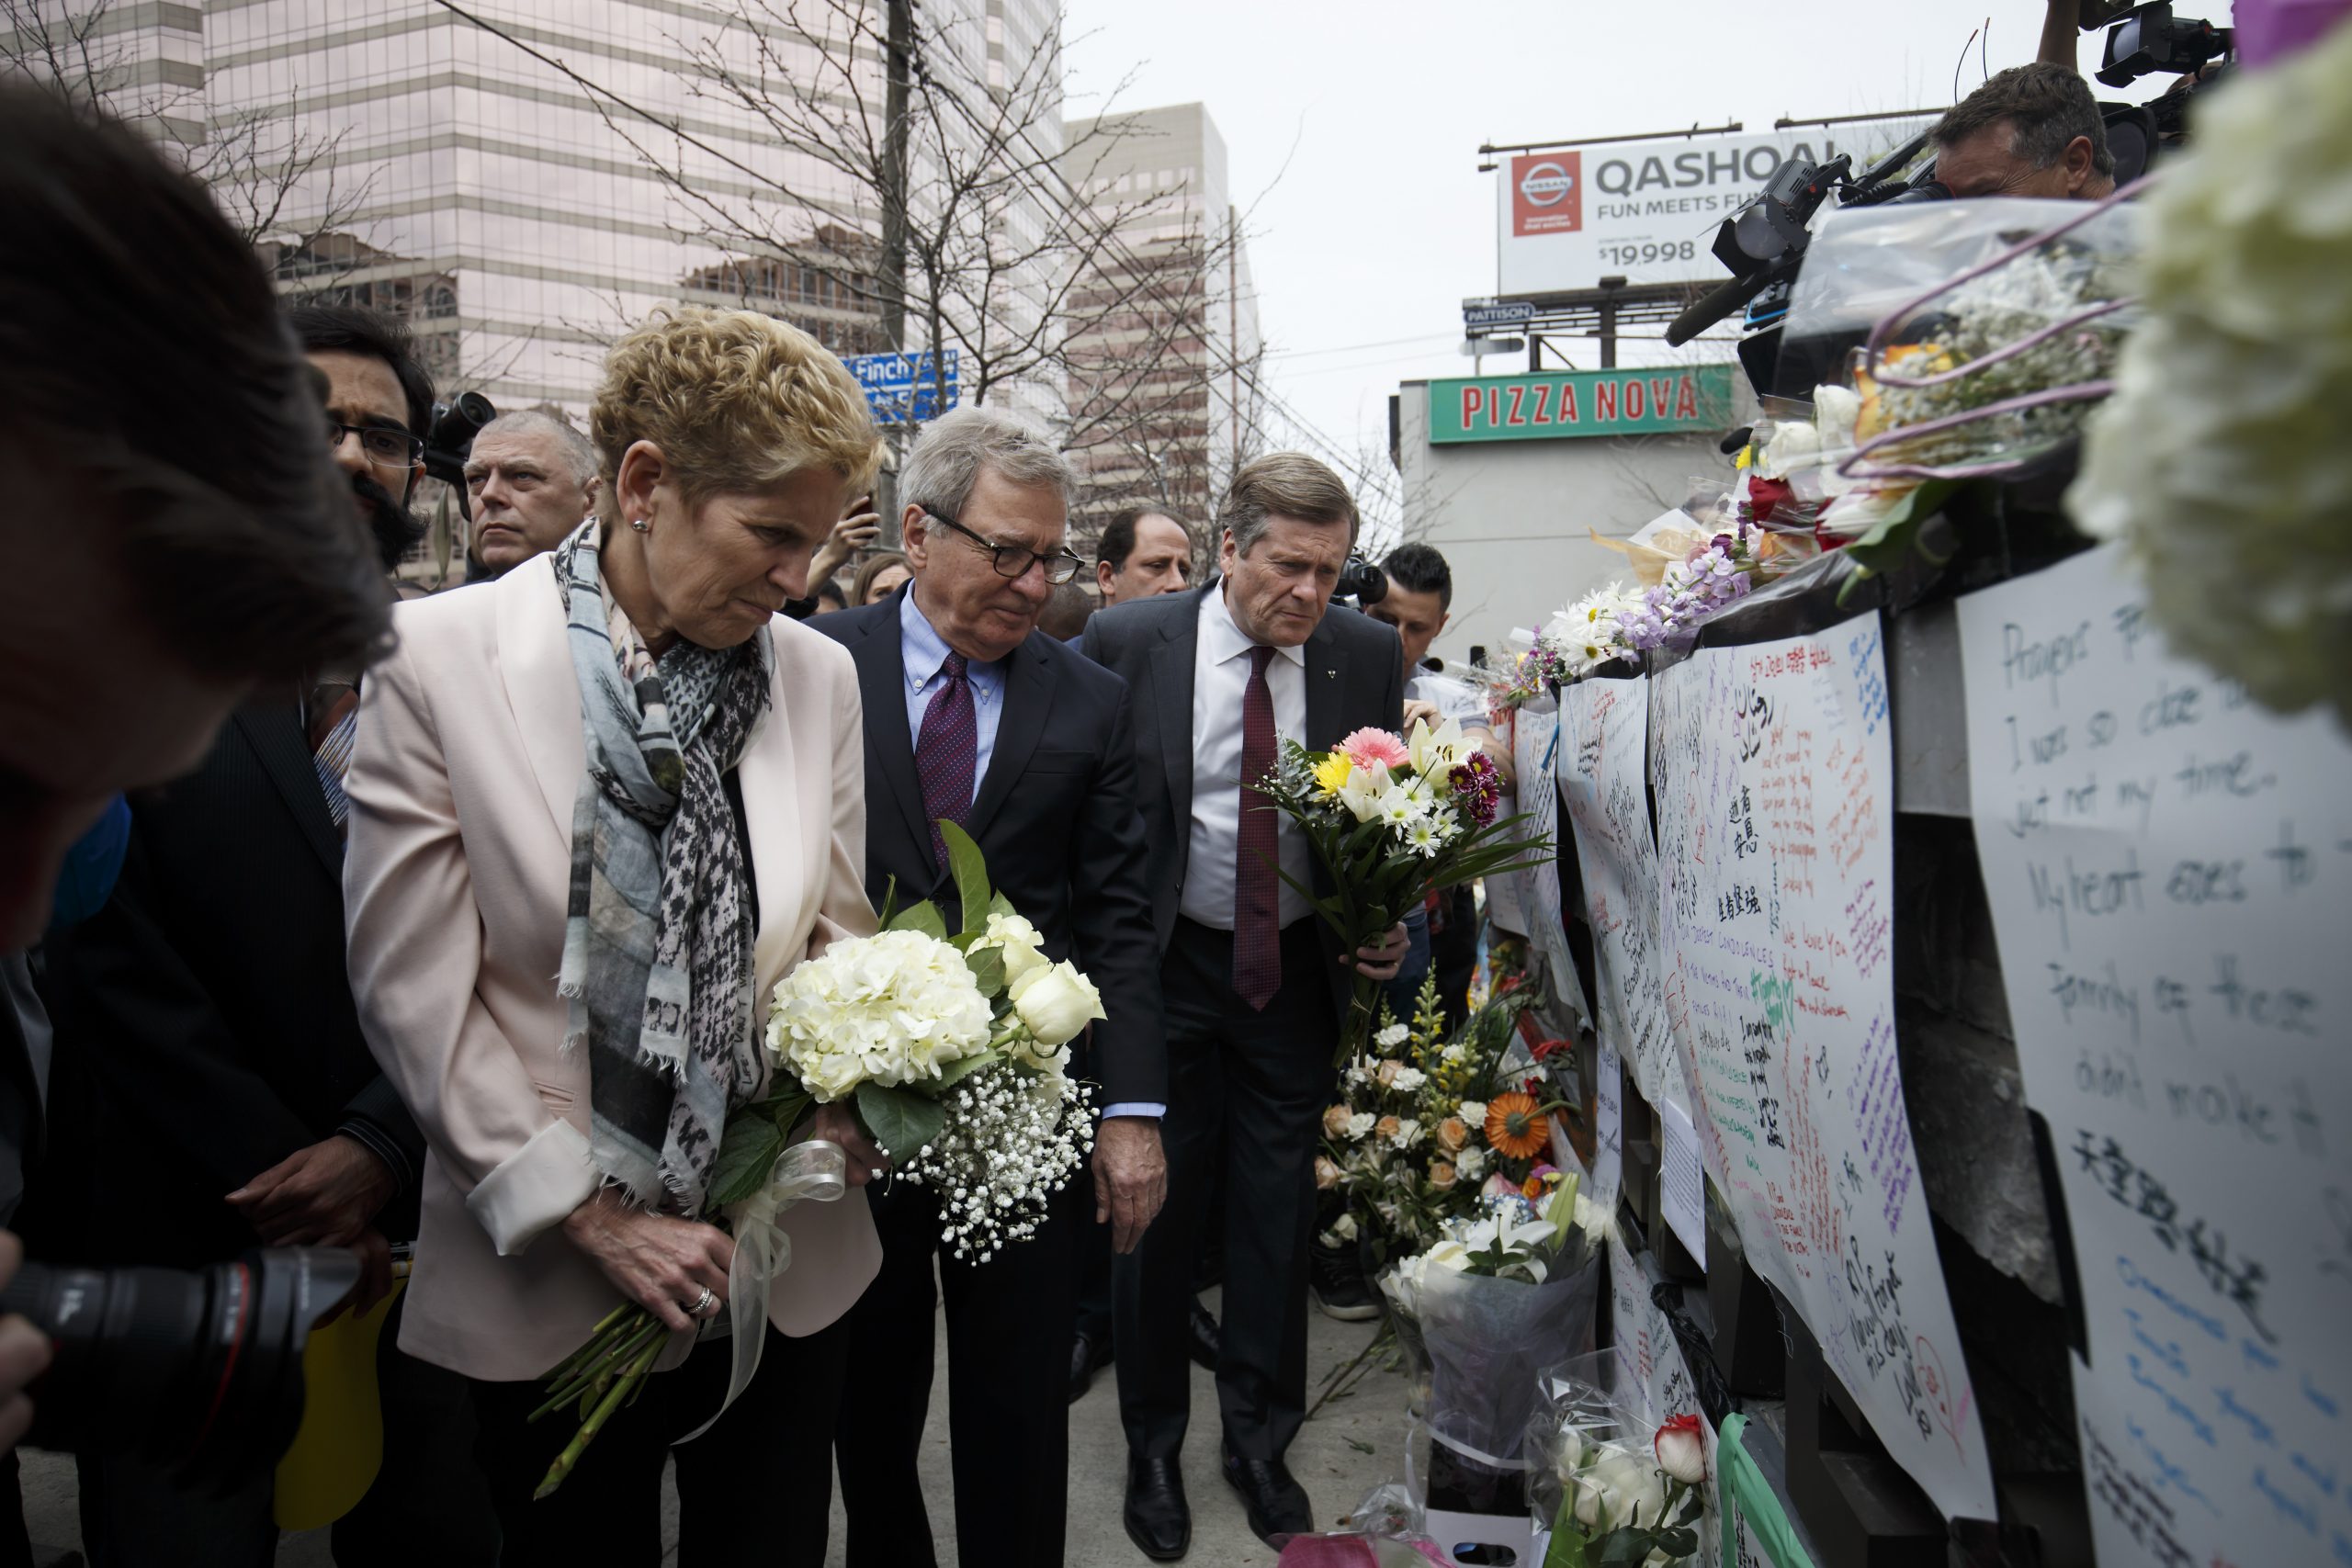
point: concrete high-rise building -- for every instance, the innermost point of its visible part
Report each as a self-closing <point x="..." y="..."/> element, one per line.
<point x="1163" y="391"/>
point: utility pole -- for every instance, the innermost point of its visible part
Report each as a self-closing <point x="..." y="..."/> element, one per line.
<point x="892" y="274"/>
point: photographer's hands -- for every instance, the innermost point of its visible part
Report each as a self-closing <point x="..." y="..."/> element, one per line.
<point x="24" y="1355"/>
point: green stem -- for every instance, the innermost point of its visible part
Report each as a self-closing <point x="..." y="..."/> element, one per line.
<point x="620" y="1390"/>
<point x="573" y="1362"/>
<point x="625" y="1344"/>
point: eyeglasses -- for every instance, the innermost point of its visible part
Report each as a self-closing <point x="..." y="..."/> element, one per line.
<point x="386" y="447"/>
<point x="1012" y="560"/>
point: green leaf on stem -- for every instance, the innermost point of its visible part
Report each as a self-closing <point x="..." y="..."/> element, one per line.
<point x="971" y="869"/>
<point x="987" y="965"/>
<point x="924" y="917"/>
<point x="746" y="1154"/>
<point x="1678" y="1542"/>
<point x="901" y="1121"/>
<point x="956" y="1072"/>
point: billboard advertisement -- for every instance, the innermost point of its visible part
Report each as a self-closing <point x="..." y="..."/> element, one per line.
<point x="1647" y="211"/>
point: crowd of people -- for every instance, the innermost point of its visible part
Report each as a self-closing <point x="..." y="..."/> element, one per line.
<point x="436" y="928"/>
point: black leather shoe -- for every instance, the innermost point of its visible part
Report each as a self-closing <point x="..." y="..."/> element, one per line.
<point x="1201" y="1340"/>
<point x="1276" y="1504"/>
<point x="1157" y="1519"/>
<point x="1088" y="1355"/>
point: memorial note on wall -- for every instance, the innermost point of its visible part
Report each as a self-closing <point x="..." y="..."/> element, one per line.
<point x="1534" y="740"/>
<point x="1604" y="727"/>
<point x="1775" y="804"/>
<point x="2170" y="872"/>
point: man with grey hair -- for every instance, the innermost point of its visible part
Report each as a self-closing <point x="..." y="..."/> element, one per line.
<point x="531" y="480"/>
<point x="974" y="716"/>
<point x="2031" y="130"/>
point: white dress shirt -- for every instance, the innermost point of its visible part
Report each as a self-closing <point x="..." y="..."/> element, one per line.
<point x="924" y="653"/>
<point x="1220" y="677"/>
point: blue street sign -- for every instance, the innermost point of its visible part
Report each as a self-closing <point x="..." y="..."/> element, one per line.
<point x="1475" y="318"/>
<point x="902" y="388"/>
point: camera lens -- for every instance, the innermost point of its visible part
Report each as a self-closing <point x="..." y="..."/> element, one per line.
<point x="1929" y="190"/>
<point x="200" y="1371"/>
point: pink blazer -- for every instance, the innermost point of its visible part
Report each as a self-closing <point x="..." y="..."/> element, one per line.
<point x="469" y="760"/>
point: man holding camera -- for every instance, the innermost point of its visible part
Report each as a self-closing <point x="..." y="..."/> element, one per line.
<point x="2031" y="130"/>
<point x="227" y="1097"/>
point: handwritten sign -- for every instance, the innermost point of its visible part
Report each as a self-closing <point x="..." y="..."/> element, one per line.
<point x="1534" y="739"/>
<point x="1650" y="1367"/>
<point x="2170" y="873"/>
<point x="1604" y="728"/>
<point x="1774" y="781"/>
<point x="1608" y="1127"/>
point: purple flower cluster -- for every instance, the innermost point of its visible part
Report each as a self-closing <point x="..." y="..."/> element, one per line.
<point x="1477" y="791"/>
<point x="1710" y="577"/>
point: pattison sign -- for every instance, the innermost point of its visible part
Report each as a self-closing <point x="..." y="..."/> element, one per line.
<point x="1580" y="402"/>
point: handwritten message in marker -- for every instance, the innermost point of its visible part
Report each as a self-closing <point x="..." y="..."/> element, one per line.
<point x="1774" y="777"/>
<point x="2169" y="868"/>
<point x="1604" y="728"/>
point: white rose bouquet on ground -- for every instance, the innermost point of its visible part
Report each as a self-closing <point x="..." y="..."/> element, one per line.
<point x="1621" y="1505"/>
<point x="950" y="1050"/>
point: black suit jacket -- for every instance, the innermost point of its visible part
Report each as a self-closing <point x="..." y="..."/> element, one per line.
<point x="1055" y="817"/>
<point x="205" y="1028"/>
<point x="1355" y="676"/>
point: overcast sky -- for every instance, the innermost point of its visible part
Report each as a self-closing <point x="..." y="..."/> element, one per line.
<point x="1353" y="127"/>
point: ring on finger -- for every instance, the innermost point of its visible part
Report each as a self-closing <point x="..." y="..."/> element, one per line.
<point x="706" y="1305"/>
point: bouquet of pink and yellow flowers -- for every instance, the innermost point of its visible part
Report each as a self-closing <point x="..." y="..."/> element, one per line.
<point x="1390" y="822"/>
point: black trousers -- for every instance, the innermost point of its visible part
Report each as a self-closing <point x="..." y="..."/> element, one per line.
<point x="1247" y="1092"/>
<point x="1008" y="1381"/>
<point x="752" y="1489"/>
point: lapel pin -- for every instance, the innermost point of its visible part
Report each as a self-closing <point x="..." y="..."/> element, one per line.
<point x="1330" y="674"/>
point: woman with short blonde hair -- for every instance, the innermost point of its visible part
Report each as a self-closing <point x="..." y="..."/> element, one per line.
<point x="599" y="808"/>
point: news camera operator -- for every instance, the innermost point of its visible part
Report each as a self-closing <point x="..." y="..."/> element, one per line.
<point x="2031" y="130"/>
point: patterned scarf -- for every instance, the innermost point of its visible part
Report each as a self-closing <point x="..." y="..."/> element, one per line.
<point x="659" y="934"/>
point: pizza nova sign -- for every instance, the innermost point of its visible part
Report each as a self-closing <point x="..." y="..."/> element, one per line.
<point x="1580" y="402"/>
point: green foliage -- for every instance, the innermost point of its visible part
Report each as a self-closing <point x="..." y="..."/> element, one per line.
<point x="746" y="1154"/>
<point x="901" y="1121"/>
<point x="971" y="872"/>
<point x="923" y="917"/>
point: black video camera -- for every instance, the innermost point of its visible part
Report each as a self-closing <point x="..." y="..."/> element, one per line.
<point x="1764" y="244"/>
<point x="451" y="441"/>
<point x="2150" y="40"/>
<point x="1361" y="581"/>
<point x="200" y="1371"/>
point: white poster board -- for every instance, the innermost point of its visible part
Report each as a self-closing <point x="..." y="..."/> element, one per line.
<point x="1608" y="1127"/>
<point x="1650" y="1358"/>
<point x="1603" y="769"/>
<point x="2170" y="873"/>
<point x="1534" y="739"/>
<point x="1775" y="805"/>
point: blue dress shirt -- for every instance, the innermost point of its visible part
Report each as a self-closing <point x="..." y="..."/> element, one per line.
<point x="923" y="652"/>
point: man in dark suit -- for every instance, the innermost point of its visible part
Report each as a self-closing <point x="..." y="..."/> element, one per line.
<point x="212" y="1091"/>
<point x="973" y="713"/>
<point x="1255" y="983"/>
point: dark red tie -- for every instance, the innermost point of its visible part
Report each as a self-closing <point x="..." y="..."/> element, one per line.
<point x="946" y="751"/>
<point x="1256" y="889"/>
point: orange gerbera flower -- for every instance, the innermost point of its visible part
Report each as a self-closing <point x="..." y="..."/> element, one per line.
<point x="1515" y="1125"/>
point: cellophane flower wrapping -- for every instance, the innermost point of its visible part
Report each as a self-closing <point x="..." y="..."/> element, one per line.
<point x="1594" y="1441"/>
<point x="2221" y="461"/>
<point x="1504" y="1296"/>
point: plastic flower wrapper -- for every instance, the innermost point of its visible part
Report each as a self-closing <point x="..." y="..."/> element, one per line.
<point x="1615" y="1483"/>
<point x="949" y="1050"/>
<point x="2221" y="461"/>
<point x="2000" y="363"/>
<point x="1406" y="817"/>
<point x="1505" y="1295"/>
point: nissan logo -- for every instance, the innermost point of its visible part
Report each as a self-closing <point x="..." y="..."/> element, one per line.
<point x="1546" y="184"/>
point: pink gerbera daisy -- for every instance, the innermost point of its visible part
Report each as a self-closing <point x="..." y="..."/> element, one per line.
<point x="1369" y="748"/>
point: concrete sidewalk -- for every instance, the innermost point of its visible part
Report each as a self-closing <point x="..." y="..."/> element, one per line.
<point x="1356" y="1443"/>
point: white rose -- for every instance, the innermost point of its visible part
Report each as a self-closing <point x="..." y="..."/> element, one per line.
<point x="1360" y="1124"/>
<point x="1056" y="1002"/>
<point x="1408" y="1132"/>
<point x="1450" y="1255"/>
<point x="1411" y="1081"/>
<point x="1388" y="1039"/>
<point x="1473" y="1114"/>
<point x="1470" y="1165"/>
<point x="1681" y="1450"/>
<point x="1022" y="944"/>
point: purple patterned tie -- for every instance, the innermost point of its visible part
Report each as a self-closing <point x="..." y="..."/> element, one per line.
<point x="946" y="752"/>
<point x="1256" y="889"/>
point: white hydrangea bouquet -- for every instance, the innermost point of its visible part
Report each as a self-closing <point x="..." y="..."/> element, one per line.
<point x="950" y="1051"/>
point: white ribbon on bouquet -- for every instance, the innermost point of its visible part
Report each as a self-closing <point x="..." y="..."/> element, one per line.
<point x="813" y="1172"/>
